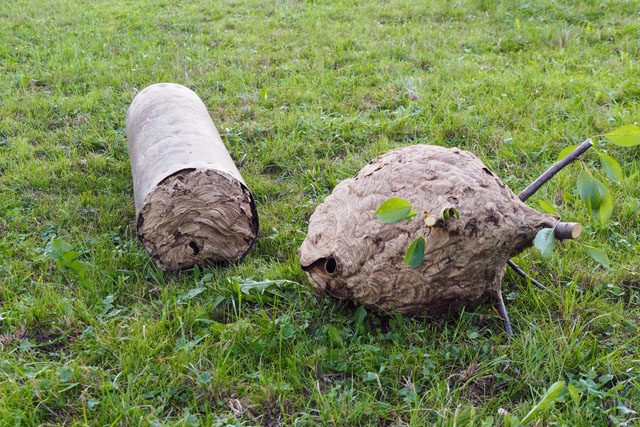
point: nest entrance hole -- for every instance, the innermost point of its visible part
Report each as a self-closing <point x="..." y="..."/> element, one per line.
<point x="327" y="265"/>
<point x="330" y="265"/>
<point x="193" y="245"/>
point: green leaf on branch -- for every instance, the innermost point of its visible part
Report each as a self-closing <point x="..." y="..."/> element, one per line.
<point x="415" y="253"/>
<point x="626" y="136"/>
<point x="545" y="241"/>
<point x="605" y="210"/>
<point x="449" y="212"/>
<point x="597" y="254"/>
<point x="565" y="152"/>
<point x="596" y="196"/>
<point x="547" y="400"/>
<point x="611" y="167"/>
<point x="548" y="207"/>
<point x="395" y="209"/>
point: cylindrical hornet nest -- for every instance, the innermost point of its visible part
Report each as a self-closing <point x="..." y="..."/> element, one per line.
<point x="350" y="254"/>
<point x="191" y="203"/>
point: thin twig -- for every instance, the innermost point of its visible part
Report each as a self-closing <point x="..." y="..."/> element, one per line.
<point x="554" y="169"/>
<point x="503" y="313"/>
<point x="522" y="273"/>
<point x="535" y="186"/>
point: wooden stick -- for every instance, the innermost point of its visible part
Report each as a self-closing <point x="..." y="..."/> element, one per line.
<point x="563" y="230"/>
<point x="503" y="313"/>
<point x="567" y="230"/>
<point x="430" y="220"/>
<point x="525" y="275"/>
<point x="554" y="169"/>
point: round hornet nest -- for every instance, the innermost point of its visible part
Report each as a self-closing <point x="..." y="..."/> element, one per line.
<point x="350" y="254"/>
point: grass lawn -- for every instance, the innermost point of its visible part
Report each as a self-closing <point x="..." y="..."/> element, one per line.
<point x="305" y="93"/>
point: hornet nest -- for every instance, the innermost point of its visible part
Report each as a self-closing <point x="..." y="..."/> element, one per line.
<point x="350" y="254"/>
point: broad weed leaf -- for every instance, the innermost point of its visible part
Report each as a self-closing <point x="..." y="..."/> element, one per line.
<point x="573" y="391"/>
<point x="597" y="254"/>
<point x="360" y="315"/>
<point x="335" y="336"/>
<point x="65" y="256"/>
<point x="57" y="248"/>
<point x="547" y="400"/>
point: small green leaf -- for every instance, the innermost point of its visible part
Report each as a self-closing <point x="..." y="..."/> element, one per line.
<point x="65" y="256"/>
<point x="203" y="378"/>
<point x="61" y="246"/>
<point x="335" y="336"/>
<point x="449" y="212"/>
<point x="547" y="400"/>
<point x="585" y="186"/>
<point x="192" y="293"/>
<point x="359" y="315"/>
<point x="415" y="253"/>
<point x="487" y="422"/>
<point x="513" y="420"/>
<point x="57" y="248"/>
<point x="565" y="152"/>
<point x="370" y="376"/>
<point x="596" y="196"/>
<point x="611" y="167"/>
<point x="65" y="373"/>
<point x="605" y="379"/>
<point x="605" y="210"/>
<point x="393" y="210"/>
<point x="545" y="241"/>
<point x="624" y="410"/>
<point x="597" y="254"/>
<point x="548" y="207"/>
<point x="569" y="197"/>
<point x="626" y="136"/>
<point x="263" y="93"/>
<point x="573" y="391"/>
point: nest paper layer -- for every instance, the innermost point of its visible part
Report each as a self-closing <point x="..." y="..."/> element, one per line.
<point x="350" y="253"/>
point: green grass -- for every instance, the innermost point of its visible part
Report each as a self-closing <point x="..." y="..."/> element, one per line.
<point x="130" y="345"/>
